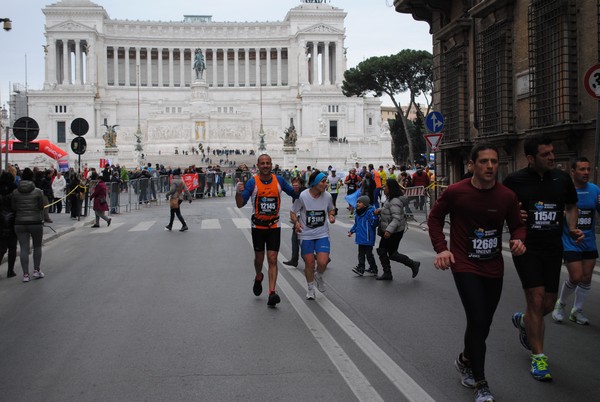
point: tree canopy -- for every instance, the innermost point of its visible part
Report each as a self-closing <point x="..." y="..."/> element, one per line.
<point x="409" y="70"/>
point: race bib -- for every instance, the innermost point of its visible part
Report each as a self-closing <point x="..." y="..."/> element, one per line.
<point x="544" y="216"/>
<point x="585" y="219"/>
<point x="314" y="219"/>
<point x="267" y="206"/>
<point x="484" y="244"/>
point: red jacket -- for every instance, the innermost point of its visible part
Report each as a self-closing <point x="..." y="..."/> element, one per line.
<point x="98" y="195"/>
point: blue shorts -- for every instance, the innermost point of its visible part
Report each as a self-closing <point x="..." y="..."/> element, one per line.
<point x="321" y="245"/>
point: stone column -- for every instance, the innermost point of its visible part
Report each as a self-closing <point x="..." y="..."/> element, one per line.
<point x="52" y="56"/>
<point x="171" y="75"/>
<point x="225" y="67"/>
<point x="268" y="62"/>
<point x="247" y="67"/>
<point x="77" y="62"/>
<point x="257" y="57"/>
<point x="65" y="66"/>
<point x="339" y="63"/>
<point x="315" y="63"/>
<point x="138" y="65"/>
<point x="160" y="66"/>
<point x="149" y="64"/>
<point x="278" y="66"/>
<point x="236" y="67"/>
<point x="116" y="65"/>
<point x="215" y="76"/>
<point x="182" y="68"/>
<point x="127" y="72"/>
<point x="326" y="78"/>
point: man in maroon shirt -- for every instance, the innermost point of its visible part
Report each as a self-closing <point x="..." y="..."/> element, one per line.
<point x="478" y="207"/>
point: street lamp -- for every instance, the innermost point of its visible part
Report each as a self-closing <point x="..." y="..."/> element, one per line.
<point x="6" y="24"/>
<point x="4" y="124"/>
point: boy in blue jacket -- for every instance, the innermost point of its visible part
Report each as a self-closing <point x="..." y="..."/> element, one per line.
<point x="365" y="227"/>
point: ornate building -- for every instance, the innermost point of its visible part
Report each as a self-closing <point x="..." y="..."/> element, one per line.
<point x="260" y="78"/>
<point x="505" y="69"/>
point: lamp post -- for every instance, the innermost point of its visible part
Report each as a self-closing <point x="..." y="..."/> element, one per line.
<point x="4" y="125"/>
<point x="6" y="24"/>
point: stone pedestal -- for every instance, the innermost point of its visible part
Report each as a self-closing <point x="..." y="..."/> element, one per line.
<point x="112" y="154"/>
<point x="289" y="155"/>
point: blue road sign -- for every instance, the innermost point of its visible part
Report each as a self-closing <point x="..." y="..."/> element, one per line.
<point x="434" y="122"/>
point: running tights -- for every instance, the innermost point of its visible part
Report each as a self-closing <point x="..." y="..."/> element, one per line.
<point x="480" y="296"/>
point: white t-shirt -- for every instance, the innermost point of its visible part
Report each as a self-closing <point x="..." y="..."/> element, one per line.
<point x="313" y="212"/>
<point x="333" y="183"/>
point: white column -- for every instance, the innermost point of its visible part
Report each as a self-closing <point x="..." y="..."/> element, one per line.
<point x="127" y="72"/>
<point x="247" y="66"/>
<point x="278" y="66"/>
<point x="52" y="62"/>
<point x="258" y="80"/>
<point x="171" y="75"/>
<point x="65" y="66"/>
<point x="182" y="68"/>
<point x="268" y="61"/>
<point x="77" y="62"/>
<point x="138" y="64"/>
<point x="339" y="64"/>
<point x="315" y="63"/>
<point x="160" y="67"/>
<point x="215" y="80"/>
<point x="149" y="64"/>
<point x="326" y="78"/>
<point x="225" y="68"/>
<point x="236" y="67"/>
<point x="116" y="65"/>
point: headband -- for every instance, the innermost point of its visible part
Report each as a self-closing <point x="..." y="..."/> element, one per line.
<point x="318" y="179"/>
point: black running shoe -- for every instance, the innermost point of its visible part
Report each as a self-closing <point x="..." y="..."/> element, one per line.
<point x="273" y="299"/>
<point x="257" y="288"/>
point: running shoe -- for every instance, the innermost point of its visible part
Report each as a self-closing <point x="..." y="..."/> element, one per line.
<point x="539" y="368"/>
<point x="466" y="374"/>
<point x="319" y="282"/>
<point x="482" y="392"/>
<point x="273" y="299"/>
<point x="257" y="288"/>
<point x="37" y="274"/>
<point x="310" y="295"/>
<point x="576" y="316"/>
<point x="291" y="263"/>
<point x="517" y="320"/>
<point x="26" y="278"/>
<point x="372" y="272"/>
<point x="558" y="314"/>
<point x="360" y="271"/>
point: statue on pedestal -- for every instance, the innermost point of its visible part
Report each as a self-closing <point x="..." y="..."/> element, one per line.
<point x="199" y="64"/>
<point x="290" y="137"/>
<point x="110" y="136"/>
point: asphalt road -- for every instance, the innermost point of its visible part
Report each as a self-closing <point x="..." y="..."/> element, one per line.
<point x="136" y="313"/>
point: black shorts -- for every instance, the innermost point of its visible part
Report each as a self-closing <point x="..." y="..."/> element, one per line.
<point x="571" y="256"/>
<point x="539" y="269"/>
<point x="271" y="238"/>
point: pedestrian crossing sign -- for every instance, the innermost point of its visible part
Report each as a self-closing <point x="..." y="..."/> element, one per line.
<point x="434" y="140"/>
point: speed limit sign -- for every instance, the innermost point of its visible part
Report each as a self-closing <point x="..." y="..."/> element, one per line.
<point x="592" y="81"/>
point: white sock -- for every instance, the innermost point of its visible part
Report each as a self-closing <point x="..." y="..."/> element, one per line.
<point x="583" y="289"/>
<point x="311" y="285"/>
<point x="566" y="291"/>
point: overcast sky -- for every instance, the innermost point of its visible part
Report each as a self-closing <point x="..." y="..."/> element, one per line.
<point x="373" y="28"/>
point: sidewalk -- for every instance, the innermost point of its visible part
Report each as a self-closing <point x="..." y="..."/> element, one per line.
<point x="62" y="224"/>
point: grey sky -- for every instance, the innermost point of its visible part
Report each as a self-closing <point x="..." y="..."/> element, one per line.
<point x="373" y="28"/>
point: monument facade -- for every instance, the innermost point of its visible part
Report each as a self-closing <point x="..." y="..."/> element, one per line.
<point x="198" y="81"/>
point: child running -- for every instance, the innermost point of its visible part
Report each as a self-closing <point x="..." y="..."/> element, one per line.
<point x="365" y="227"/>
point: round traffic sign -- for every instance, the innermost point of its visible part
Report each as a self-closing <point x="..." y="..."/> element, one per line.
<point x="26" y="129"/>
<point x="79" y="145"/>
<point x="79" y="126"/>
<point x="434" y="122"/>
<point x="591" y="82"/>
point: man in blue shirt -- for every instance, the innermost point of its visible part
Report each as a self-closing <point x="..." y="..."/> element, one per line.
<point x="580" y="258"/>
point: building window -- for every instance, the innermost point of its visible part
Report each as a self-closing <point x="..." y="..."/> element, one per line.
<point x="60" y="109"/>
<point x="454" y="94"/>
<point x="61" y="133"/>
<point x="553" y="62"/>
<point x="333" y="130"/>
<point x="370" y="121"/>
<point x="494" y="80"/>
<point x="333" y="108"/>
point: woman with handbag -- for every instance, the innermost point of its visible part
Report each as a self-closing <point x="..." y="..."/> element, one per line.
<point x="175" y="198"/>
<point x="100" y="205"/>
<point x="391" y="229"/>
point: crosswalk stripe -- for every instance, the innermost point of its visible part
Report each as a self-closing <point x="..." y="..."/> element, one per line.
<point x="241" y="223"/>
<point x="210" y="224"/>
<point x="106" y="229"/>
<point x="142" y="226"/>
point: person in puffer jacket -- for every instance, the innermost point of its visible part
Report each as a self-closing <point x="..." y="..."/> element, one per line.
<point x="28" y="204"/>
<point x="391" y="230"/>
<point x="365" y="227"/>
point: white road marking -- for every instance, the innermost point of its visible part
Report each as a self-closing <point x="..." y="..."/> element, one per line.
<point x="241" y="223"/>
<point x="210" y="224"/>
<point x="142" y="226"/>
<point x="105" y="229"/>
